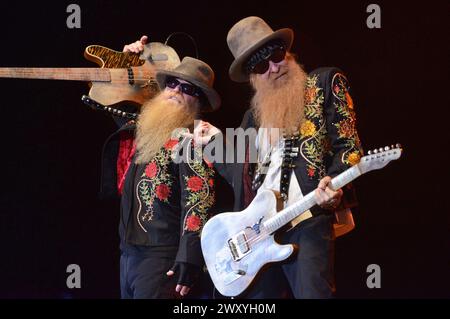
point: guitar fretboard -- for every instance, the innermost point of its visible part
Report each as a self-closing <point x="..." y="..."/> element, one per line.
<point x="73" y="74"/>
<point x="286" y="215"/>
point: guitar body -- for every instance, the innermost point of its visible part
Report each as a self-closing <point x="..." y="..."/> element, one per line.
<point x="120" y="90"/>
<point x="231" y="277"/>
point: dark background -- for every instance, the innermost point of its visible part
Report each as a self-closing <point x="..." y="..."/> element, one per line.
<point x="50" y="215"/>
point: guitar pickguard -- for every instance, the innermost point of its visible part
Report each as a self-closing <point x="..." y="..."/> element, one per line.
<point x="226" y="268"/>
<point x="108" y="58"/>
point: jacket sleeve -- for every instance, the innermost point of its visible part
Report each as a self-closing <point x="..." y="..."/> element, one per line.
<point x="340" y="117"/>
<point x="345" y="145"/>
<point x="197" y="200"/>
<point x="117" y="153"/>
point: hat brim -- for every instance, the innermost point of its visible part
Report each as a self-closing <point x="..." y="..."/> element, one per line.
<point x="211" y="95"/>
<point x="236" y="70"/>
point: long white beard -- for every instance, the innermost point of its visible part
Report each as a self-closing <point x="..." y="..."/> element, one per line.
<point x="159" y="118"/>
<point x="280" y="104"/>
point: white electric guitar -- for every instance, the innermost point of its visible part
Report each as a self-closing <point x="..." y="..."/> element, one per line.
<point x="237" y="245"/>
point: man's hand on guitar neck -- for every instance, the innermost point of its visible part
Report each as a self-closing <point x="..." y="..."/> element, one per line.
<point x="325" y="196"/>
<point x="136" y="47"/>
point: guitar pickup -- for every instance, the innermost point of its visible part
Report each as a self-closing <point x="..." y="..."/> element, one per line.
<point x="238" y="245"/>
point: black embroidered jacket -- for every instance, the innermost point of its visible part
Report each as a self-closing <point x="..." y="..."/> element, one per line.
<point x="163" y="202"/>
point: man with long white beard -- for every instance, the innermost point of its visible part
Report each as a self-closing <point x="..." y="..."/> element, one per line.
<point x="307" y="126"/>
<point x="167" y="193"/>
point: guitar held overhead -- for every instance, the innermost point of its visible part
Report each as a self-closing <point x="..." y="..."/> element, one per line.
<point x="123" y="77"/>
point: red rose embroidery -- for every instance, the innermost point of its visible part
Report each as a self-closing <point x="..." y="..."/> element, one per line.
<point x="211" y="182"/>
<point x="170" y="144"/>
<point x="311" y="172"/>
<point x="151" y="170"/>
<point x="162" y="191"/>
<point x="195" y="183"/>
<point x="193" y="223"/>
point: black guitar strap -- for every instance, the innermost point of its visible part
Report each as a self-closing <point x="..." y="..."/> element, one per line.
<point x="261" y="173"/>
<point x="100" y="107"/>
<point x="290" y="153"/>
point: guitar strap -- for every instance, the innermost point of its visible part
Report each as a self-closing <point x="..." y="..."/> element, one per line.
<point x="290" y="154"/>
<point x="261" y="172"/>
<point x="100" y="107"/>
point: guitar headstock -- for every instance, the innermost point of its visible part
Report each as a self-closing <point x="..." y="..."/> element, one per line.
<point x="379" y="158"/>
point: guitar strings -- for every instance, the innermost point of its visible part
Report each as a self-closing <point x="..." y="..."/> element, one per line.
<point x="80" y="74"/>
<point x="253" y="239"/>
<point x="151" y="79"/>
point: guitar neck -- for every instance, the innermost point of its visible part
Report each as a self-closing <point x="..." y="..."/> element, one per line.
<point x="71" y="74"/>
<point x="286" y="215"/>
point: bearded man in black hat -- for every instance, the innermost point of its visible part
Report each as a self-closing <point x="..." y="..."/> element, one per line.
<point x="167" y="192"/>
<point x="306" y="136"/>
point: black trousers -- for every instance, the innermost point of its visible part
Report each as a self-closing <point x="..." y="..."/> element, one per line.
<point x="307" y="274"/>
<point x="143" y="276"/>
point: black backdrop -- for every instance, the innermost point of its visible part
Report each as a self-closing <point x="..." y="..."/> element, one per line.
<point x="50" y="215"/>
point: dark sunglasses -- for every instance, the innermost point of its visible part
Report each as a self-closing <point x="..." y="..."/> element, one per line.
<point x="277" y="55"/>
<point x="186" y="88"/>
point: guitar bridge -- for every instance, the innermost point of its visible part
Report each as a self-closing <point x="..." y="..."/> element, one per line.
<point x="238" y="246"/>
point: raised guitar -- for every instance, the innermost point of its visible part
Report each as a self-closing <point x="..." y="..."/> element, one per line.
<point x="123" y="77"/>
<point x="237" y="245"/>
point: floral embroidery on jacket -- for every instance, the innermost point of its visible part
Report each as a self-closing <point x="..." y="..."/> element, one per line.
<point x="316" y="142"/>
<point x="200" y="193"/>
<point x="312" y="129"/>
<point x="346" y="127"/>
<point x="156" y="182"/>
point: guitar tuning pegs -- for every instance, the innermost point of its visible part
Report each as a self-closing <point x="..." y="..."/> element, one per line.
<point x="392" y="146"/>
<point x="375" y="151"/>
<point x="398" y="145"/>
<point x="386" y="148"/>
<point x="369" y="153"/>
<point x="380" y="149"/>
